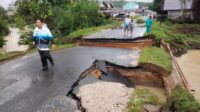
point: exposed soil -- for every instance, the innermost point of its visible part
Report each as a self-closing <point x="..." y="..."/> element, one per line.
<point x="179" y="49"/>
<point x="159" y="92"/>
<point x="190" y="30"/>
<point x="128" y="76"/>
<point x="137" y="43"/>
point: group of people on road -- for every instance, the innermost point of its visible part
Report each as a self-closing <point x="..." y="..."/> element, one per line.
<point x="129" y="25"/>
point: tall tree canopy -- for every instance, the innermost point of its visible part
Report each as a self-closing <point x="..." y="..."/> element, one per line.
<point x="156" y="5"/>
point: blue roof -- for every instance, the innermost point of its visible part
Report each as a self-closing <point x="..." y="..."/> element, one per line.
<point x="130" y="6"/>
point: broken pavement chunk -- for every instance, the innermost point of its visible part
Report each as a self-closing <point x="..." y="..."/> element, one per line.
<point x="101" y="65"/>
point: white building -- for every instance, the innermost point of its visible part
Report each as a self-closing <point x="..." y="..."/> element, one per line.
<point x="173" y="8"/>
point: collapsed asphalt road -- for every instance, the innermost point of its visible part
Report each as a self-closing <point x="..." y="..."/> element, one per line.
<point x="25" y="88"/>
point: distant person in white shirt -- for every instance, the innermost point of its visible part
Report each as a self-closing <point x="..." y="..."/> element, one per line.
<point x="127" y="22"/>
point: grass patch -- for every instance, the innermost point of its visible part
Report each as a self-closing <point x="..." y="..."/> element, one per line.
<point x="181" y="37"/>
<point x="89" y="31"/>
<point x="140" y="21"/>
<point x="157" y="56"/>
<point x="182" y="101"/>
<point x="173" y="32"/>
<point x="135" y="17"/>
<point x="63" y="46"/>
<point x="139" y="98"/>
<point x="7" y="56"/>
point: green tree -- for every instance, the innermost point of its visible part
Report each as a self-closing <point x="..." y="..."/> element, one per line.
<point x="32" y="9"/>
<point x="86" y="14"/>
<point x="3" y="25"/>
<point x="156" y="5"/>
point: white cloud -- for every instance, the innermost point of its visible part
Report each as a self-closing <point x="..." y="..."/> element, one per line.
<point x="5" y="3"/>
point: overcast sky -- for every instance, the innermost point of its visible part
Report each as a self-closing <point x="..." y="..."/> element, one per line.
<point x="5" y="3"/>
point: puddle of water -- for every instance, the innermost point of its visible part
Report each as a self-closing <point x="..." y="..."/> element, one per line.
<point x="190" y="65"/>
<point x="12" y="41"/>
<point x="159" y="92"/>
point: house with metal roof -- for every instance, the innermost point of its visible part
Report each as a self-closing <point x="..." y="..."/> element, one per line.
<point x="173" y="8"/>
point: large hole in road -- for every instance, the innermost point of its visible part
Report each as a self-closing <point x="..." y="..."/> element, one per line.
<point x="109" y="72"/>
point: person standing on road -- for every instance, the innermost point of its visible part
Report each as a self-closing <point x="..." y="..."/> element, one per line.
<point x="41" y="38"/>
<point x="131" y="26"/>
<point x="127" y="22"/>
<point x="149" y="23"/>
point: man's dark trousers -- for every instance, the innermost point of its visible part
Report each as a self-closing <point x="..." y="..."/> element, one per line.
<point x="45" y="55"/>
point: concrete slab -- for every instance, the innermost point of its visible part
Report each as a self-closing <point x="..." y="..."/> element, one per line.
<point x="105" y="97"/>
<point x="59" y="104"/>
<point x="117" y="34"/>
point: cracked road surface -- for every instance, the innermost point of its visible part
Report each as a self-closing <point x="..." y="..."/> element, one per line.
<point x="24" y="87"/>
<point x="118" y="34"/>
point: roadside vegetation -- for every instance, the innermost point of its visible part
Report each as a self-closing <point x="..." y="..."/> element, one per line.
<point x="178" y="101"/>
<point x="182" y="101"/>
<point x="157" y="56"/>
<point x="135" y="17"/>
<point x="7" y="56"/>
<point x="139" y="98"/>
<point x="138" y="19"/>
<point x="181" y="37"/>
<point x="3" y="26"/>
<point x="62" y="17"/>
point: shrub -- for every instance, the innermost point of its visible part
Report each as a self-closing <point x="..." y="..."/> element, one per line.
<point x="86" y="14"/>
<point x="139" y="21"/>
<point x="141" y="97"/>
<point x="135" y="17"/>
<point x="182" y="101"/>
<point x="3" y="26"/>
<point x="63" y="22"/>
<point x="2" y="42"/>
<point x="26" y="38"/>
<point x="19" y="21"/>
